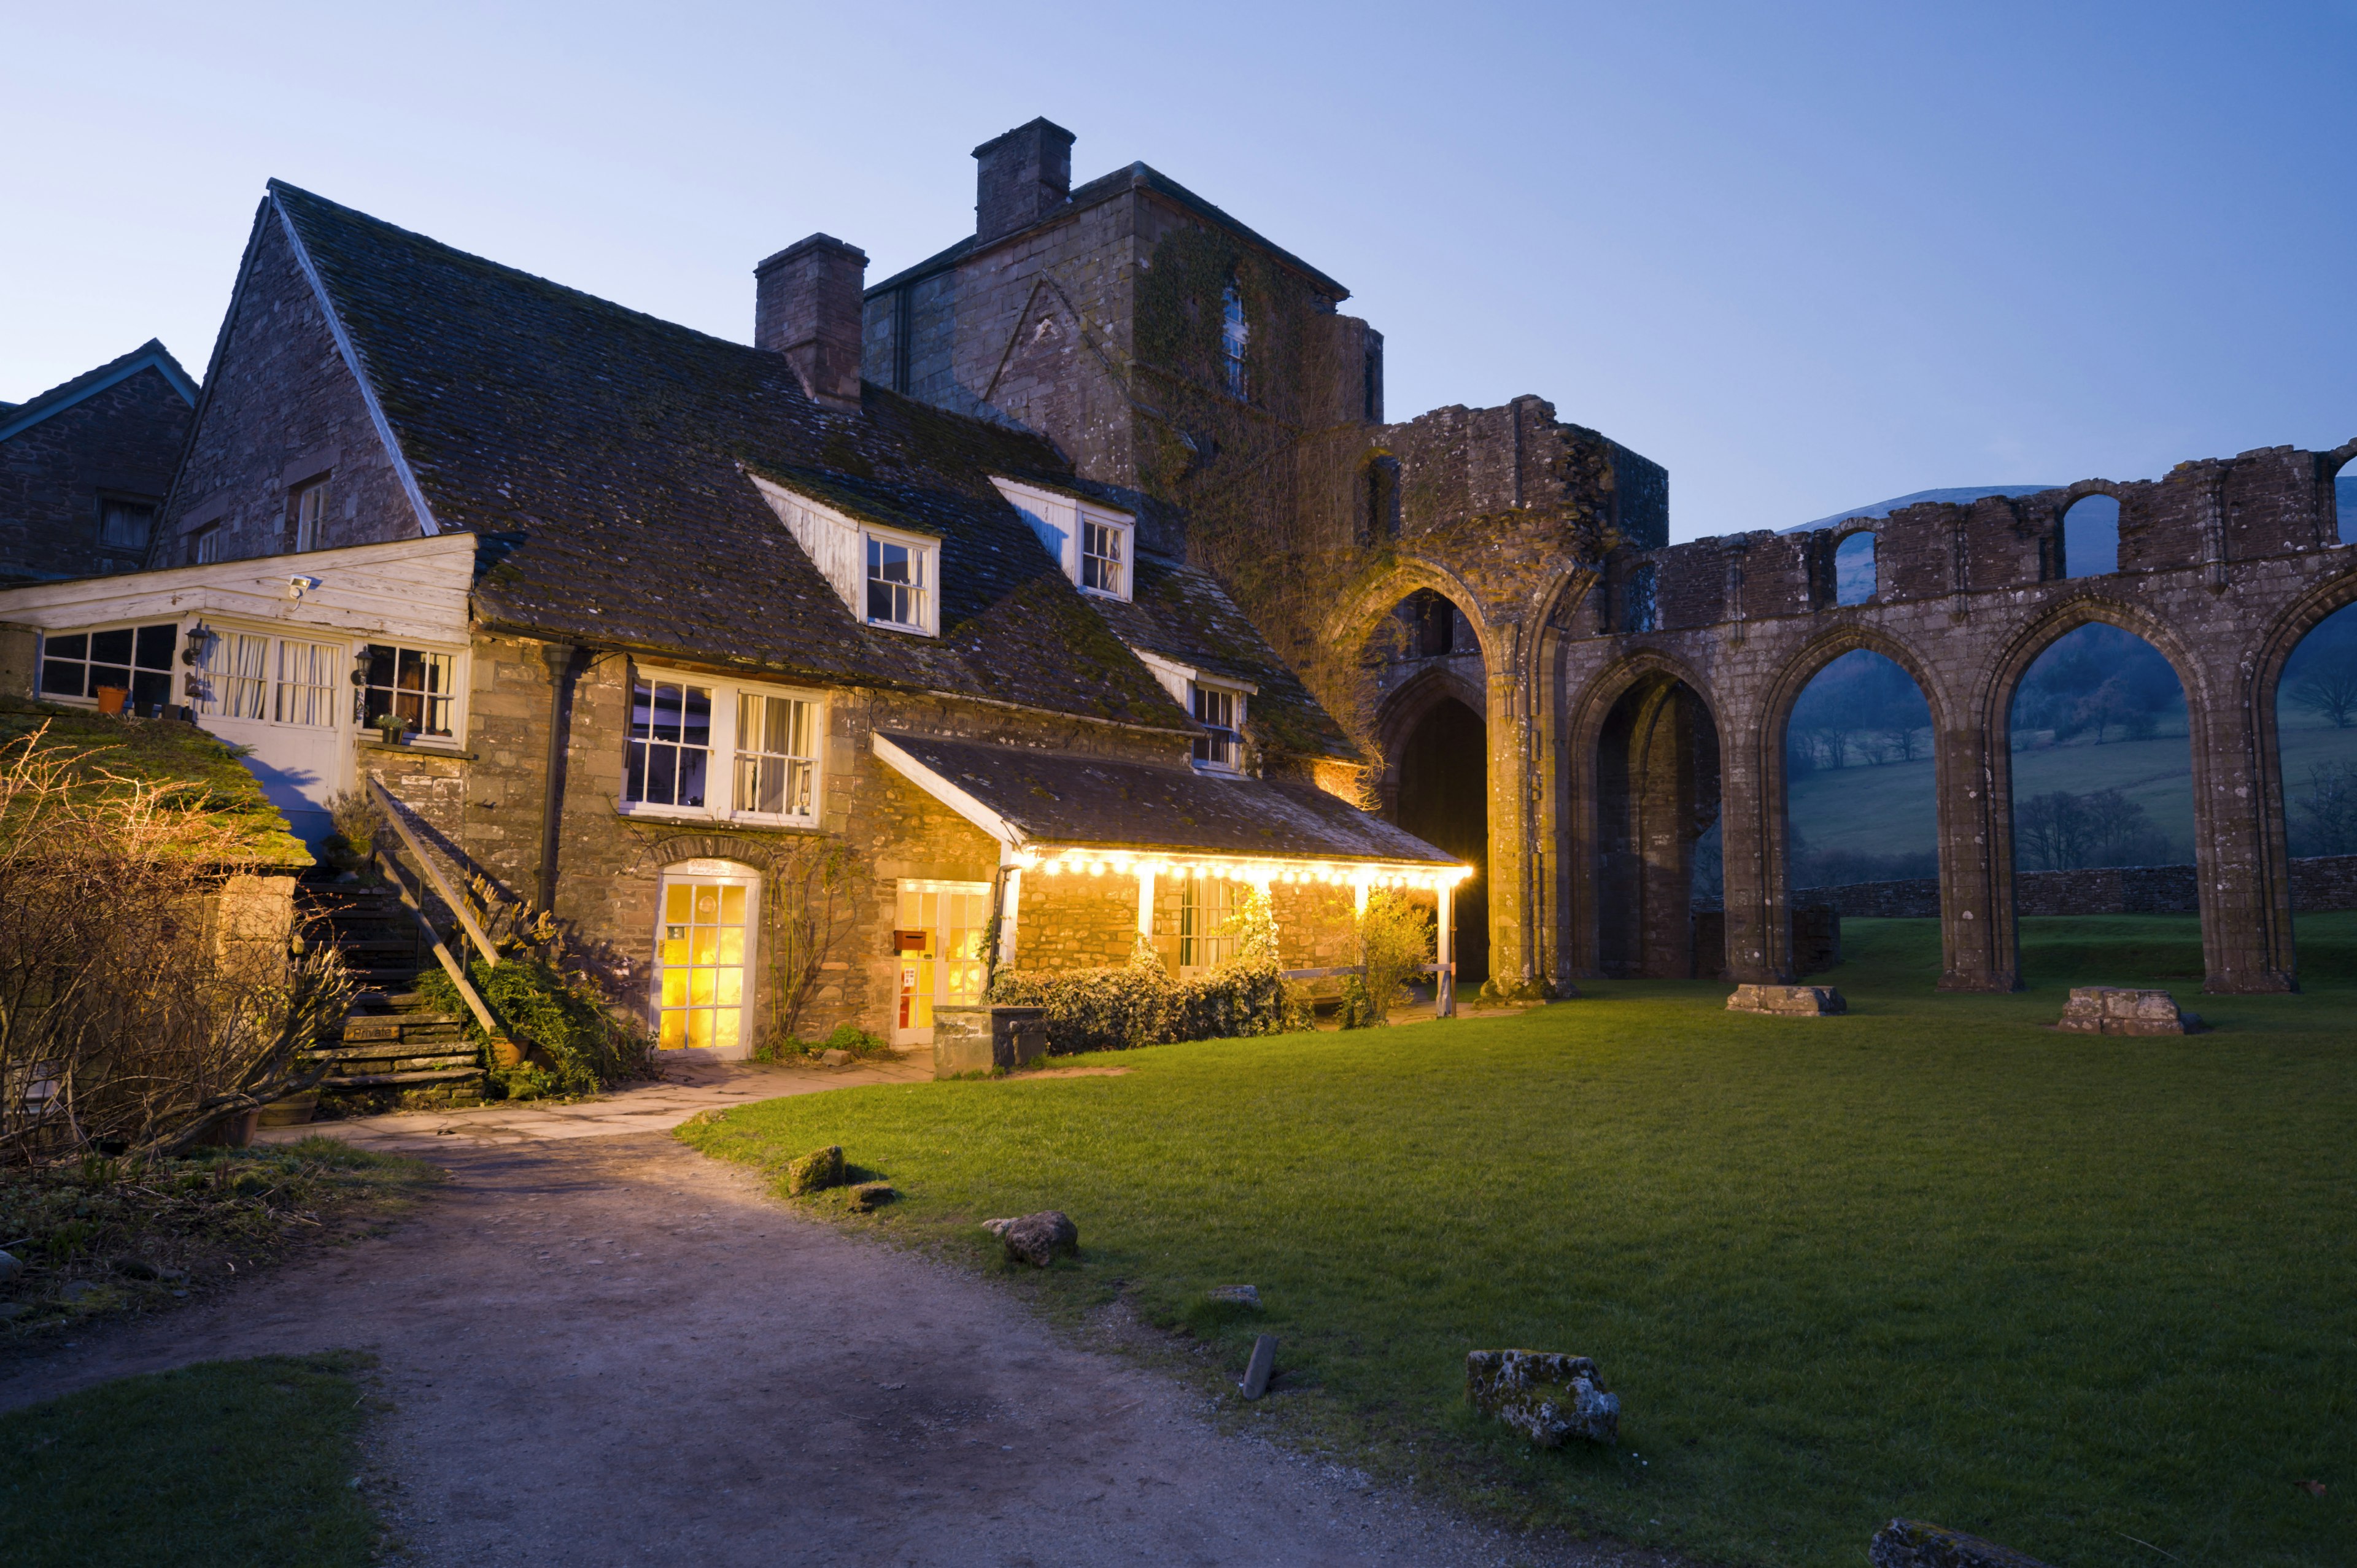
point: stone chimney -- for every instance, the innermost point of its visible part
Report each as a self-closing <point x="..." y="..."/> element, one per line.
<point x="806" y="306"/>
<point x="1023" y="177"/>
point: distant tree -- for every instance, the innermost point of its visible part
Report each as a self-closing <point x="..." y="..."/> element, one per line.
<point x="2329" y="689"/>
<point x="2063" y="832"/>
<point x="1876" y="745"/>
<point x="2327" y="811"/>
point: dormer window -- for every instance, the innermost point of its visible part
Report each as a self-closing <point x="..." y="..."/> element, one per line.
<point x="1091" y="543"/>
<point x="887" y="577"/>
<point x="1103" y="546"/>
<point x="897" y="596"/>
<point x="1222" y="712"/>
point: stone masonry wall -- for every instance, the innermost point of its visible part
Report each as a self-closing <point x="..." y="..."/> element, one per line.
<point x="120" y="443"/>
<point x="283" y="409"/>
<point x="2319" y="883"/>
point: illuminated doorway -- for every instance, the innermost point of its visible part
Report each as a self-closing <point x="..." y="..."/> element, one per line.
<point x="939" y="934"/>
<point x="704" y="952"/>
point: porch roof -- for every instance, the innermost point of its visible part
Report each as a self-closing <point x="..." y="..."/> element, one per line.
<point x="1049" y="800"/>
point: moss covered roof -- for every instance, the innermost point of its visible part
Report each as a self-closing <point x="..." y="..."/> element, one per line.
<point x="166" y="751"/>
<point x="604" y="456"/>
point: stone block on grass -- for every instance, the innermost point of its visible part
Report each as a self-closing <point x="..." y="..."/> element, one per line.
<point x="1036" y="1238"/>
<point x="819" y="1168"/>
<point x="1235" y="1295"/>
<point x="1788" y="1001"/>
<point x="1544" y="1395"/>
<point x="2124" y="1010"/>
<point x="1912" y="1543"/>
<point x="872" y="1195"/>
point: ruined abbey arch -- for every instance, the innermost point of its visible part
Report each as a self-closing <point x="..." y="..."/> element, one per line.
<point x="2223" y="566"/>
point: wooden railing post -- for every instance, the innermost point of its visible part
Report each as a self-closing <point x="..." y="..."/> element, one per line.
<point x="503" y="1050"/>
<point x="392" y="808"/>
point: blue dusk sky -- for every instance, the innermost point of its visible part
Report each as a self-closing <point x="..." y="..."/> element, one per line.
<point x="1806" y="256"/>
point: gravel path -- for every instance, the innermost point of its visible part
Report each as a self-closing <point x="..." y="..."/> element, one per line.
<point x="613" y="1351"/>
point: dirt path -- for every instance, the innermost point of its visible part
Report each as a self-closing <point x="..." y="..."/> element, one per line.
<point x="612" y="1350"/>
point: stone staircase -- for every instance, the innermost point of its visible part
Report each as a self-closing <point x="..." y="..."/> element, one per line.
<point x="391" y="1040"/>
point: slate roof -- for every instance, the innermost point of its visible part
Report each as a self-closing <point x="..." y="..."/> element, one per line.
<point x="1183" y="613"/>
<point x="603" y="454"/>
<point x="1104" y="188"/>
<point x="1057" y="799"/>
<point x="33" y="410"/>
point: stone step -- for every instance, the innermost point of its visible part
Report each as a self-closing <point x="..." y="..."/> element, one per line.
<point x="376" y="1080"/>
<point x="363" y="1026"/>
<point x="402" y="1059"/>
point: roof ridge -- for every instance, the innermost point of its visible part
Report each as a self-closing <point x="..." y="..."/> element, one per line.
<point x="15" y="417"/>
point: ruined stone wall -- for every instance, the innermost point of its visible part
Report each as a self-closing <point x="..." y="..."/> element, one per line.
<point x="283" y="409"/>
<point x="2224" y="565"/>
<point x="119" y="444"/>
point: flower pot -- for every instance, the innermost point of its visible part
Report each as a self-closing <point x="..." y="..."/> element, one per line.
<point x="112" y="698"/>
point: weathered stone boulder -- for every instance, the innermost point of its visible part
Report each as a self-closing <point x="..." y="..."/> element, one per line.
<point x="869" y="1195"/>
<point x="1544" y="1395"/>
<point x="1236" y="1296"/>
<point x="819" y="1168"/>
<point x="1788" y="1001"/>
<point x="10" y="1267"/>
<point x="2122" y="1010"/>
<point x="1910" y="1543"/>
<point x="835" y="1057"/>
<point x="1036" y="1238"/>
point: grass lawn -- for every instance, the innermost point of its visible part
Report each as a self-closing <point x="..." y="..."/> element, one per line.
<point x="222" y="1465"/>
<point x="1930" y="1259"/>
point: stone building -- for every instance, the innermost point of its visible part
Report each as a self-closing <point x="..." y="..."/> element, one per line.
<point x="798" y="700"/>
<point x="84" y="465"/>
<point x="1127" y="472"/>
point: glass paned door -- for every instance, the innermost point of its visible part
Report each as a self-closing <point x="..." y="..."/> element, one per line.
<point x="703" y="948"/>
<point x="950" y="918"/>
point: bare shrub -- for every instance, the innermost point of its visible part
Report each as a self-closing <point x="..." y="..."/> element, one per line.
<point x="137" y="1005"/>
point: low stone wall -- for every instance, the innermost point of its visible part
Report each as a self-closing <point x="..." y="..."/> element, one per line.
<point x="2319" y="883"/>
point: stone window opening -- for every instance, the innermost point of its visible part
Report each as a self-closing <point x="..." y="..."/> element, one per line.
<point x="1235" y="336"/>
<point x="308" y="506"/>
<point x="125" y="524"/>
<point x="204" y="546"/>
<point x="1642" y="611"/>
<point x="716" y="749"/>
<point x="1382" y="520"/>
<point x="137" y="659"/>
<point x="2090" y="537"/>
<point x="418" y="685"/>
<point x="1854" y="569"/>
<point x="898" y="581"/>
<point x="2344" y="503"/>
<point x="1221" y="710"/>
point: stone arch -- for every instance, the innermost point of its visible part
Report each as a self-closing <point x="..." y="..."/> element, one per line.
<point x="1848" y="529"/>
<point x="1398" y="715"/>
<point x="1595" y="824"/>
<point x="1357" y="616"/>
<point x="2274" y="651"/>
<point x="2336" y="469"/>
<point x="1992" y="712"/>
<point x="1764" y="744"/>
<point x="753" y="853"/>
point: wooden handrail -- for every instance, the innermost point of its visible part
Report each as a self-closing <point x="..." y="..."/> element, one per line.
<point x="450" y="964"/>
<point x="393" y="809"/>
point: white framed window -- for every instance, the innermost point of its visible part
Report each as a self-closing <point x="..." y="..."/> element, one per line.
<point x="233" y="675"/>
<point x="204" y="547"/>
<point x="76" y="664"/>
<point x="1222" y="712"/>
<point x="419" y="686"/>
<point x="310" y="503"/>
<point x="707" y="919"/>
<point x="721" y="749"/>
<point x="1205" y="936"/>
<point x="1093" y="544"/>
<point x="309" y="676"/>
<point x="899" y="580"/>
<point x="1105" y="553"/>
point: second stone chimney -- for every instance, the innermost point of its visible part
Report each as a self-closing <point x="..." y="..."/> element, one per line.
<point x="1022" y="177"/>
<point x="806" y="306"/>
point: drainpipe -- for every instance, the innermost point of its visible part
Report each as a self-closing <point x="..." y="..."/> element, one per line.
<point x="560" y="657"/>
